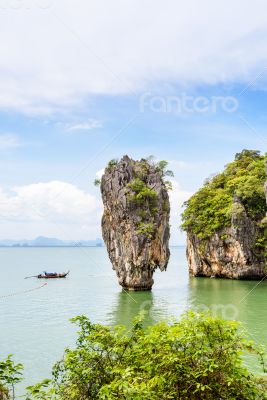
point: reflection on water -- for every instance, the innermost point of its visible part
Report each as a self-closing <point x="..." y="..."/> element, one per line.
<point x="129" y="304"/>
<point x="243" y="301"/>
<point x="240" y="300"/>
<point x="229" y="299"/>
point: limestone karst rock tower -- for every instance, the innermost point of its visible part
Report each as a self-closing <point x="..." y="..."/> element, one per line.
<point x="135" y="223"/>
<point x="226" y="222"/>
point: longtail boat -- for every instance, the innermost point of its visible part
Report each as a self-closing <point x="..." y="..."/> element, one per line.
<point x="52" y="275"/>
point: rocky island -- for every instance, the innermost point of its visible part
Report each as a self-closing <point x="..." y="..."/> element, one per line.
<point x="135" y="223"/>
<point x="225" y="221"/>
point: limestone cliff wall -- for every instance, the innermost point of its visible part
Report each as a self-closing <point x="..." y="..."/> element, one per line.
<point x="135" y="253"/>
<point x="230" y="253"/>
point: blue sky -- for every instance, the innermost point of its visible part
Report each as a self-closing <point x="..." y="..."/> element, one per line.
<point x="179" y="86"/>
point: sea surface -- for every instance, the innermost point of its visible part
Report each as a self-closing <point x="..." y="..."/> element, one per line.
<point x="34" y="319"/>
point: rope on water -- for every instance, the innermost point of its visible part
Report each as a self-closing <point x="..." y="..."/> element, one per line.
<point x="23" y="291"/>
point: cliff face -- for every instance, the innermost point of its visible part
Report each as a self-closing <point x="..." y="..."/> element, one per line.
<point x="225" y="221"/>
<point x="135" y="223"/>
<point x="232" y="252"/>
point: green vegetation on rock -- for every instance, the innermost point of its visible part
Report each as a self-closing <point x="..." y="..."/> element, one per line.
<point x="97" y="182"/>
<point x="143" y="197"/>
<point x="211" y="207"/>
<point x="197" y="357"/>
<point x="161" y="167"/>
<point x="142" y="194"/>
<point x="145" y="229"/>
<point x="112" y="163"/>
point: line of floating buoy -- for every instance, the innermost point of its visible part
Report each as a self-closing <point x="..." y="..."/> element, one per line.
<point x="22" y="292"/>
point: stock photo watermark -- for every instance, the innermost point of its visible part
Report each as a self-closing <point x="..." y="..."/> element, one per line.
<point x="224" y="311"/>
<point x="25" y="4"/>
<point x="186" y="104"/>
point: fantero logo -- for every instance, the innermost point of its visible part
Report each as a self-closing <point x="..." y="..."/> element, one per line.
<point x="187" y="104"/>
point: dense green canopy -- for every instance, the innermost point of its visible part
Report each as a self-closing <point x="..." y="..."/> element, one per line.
<point x="210" y="208"/>
<point x="197" y="357"/>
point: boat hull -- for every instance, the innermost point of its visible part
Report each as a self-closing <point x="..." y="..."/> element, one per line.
<point x="58" y="276"/>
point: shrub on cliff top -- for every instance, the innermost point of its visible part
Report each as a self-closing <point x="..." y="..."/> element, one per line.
<point x="198" y="357"/>
<point x="209" y="209"/>
<point x="112" y="163"/>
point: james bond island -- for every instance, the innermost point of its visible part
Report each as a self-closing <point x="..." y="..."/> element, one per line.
<point x="135" y="223"/>
<point x="225" y="221"/>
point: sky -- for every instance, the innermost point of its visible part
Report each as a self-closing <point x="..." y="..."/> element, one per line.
<point x="82" y="82"/>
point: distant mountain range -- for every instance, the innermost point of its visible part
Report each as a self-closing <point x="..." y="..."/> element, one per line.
<point x="42" y="241"/>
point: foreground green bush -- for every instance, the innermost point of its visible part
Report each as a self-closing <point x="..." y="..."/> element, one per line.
<point x="10" y="375"/>
<point x="198" y="357"/>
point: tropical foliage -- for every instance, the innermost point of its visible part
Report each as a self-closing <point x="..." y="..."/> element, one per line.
<point x="142" y="194"/>
<point x="211" y="207"/>
<point x="161" y="167"/>
<point x="10" y="375"/>
<point x="112" y="163"/>
<point x="198" y="357"/>
<point x="97" y="182"/>
<point x="145" y="229"/>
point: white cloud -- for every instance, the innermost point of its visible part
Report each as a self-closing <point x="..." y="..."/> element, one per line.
<point x="60" y="209"/>
<point x="116" y="47"/>
<point x="51" y="208"/>
<point x="84" y="126"/>
<point x="177" y="198"/>
<point x="100" y="173"/>
<point x="8" y="141"/>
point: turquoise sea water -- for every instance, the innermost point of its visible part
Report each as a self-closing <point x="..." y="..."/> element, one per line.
<point x="34" y="320"/>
